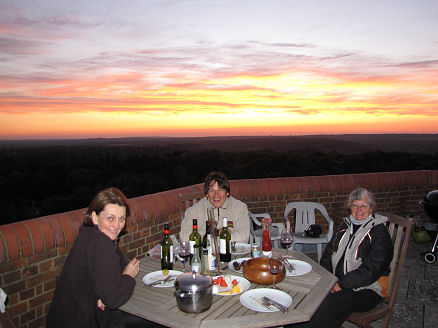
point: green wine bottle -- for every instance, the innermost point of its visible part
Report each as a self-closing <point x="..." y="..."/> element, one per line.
<point x="225" y="242"/>
<point x="166" y="250"/>
<point x="195" y="238"/>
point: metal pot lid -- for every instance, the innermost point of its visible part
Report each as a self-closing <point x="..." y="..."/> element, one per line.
<point x="193" y="281"/>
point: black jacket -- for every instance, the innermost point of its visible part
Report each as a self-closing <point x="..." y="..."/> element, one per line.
<point x="375" y="251"/>
<point x="92" y="271"/>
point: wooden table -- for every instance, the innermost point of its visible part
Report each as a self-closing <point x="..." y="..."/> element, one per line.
<point x="159" y="304"/>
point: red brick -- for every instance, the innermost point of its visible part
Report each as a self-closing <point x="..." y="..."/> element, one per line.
<point x="30" y="271"/>
<point x="28" y="293"/>
<point x="17" y="309"/>
<point x="27" y="316"/>
<point x="14" y="288"/>
<point x="67" y="226"/>
<point x="24" y="238"/>
<point x="36" y="235"/>
<point x="42" y="256"/>
<point x="37" y="323"/>
<point x="45" y="266"/>
<point x="57" y="230"/>
<point x="49" y="237"/>
<point x="11" y="277"/>
<point x="49" y="285"/>
<point x="43" y="298"/>
<point x="43" y="277"/>
<point x="12" y="245"/>
<point x="3" y="255"/>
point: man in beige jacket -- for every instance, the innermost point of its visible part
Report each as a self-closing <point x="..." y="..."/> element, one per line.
<point x="217" y="196"/>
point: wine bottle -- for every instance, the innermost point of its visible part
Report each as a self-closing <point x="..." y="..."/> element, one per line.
<point x="195" y="238"/>
<point x="166" y="250"/>
<point x="208" y="250"/>
<point x="196" y="260"/>
<point x="225" y="242"/>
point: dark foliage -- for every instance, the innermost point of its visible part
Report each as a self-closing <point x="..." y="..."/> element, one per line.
<point x="38" y="181"/>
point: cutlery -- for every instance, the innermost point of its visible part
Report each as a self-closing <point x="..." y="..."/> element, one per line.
<point x="287" y="264"/>
<point x="279" y="306"/>
<point x="261" y="303"/>
<point x="161" y="281"/>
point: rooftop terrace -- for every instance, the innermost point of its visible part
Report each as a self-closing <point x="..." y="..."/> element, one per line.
<point x="32" y="252"/>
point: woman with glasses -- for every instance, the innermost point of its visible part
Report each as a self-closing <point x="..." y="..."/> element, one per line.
<point x="96" y="278"/>
<point x="359" y="254"/>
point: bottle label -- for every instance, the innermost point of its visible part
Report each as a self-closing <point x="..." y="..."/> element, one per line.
<point x="195" y="267"/>
<point x="223" y="246"/>
<point x="267" y="253"/>
<point x="256" y="253"/>
<point x="171" y="254"/>
<point x="211" y="263"/>
<point x="192" y="248"/>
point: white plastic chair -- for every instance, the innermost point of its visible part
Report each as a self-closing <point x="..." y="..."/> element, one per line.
<point x="304" y="217"/>
<point x="257" y="233"/>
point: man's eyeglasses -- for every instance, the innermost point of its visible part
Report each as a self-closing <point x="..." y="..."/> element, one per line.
<point x="362" y="207"/>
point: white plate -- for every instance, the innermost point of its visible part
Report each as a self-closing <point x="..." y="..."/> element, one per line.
<point x="239" y="260"/>
<point x="248" y="299"/>
<point x="300" y="268"/>
<point x="242" y="249"/>
<point x="246" y="284"/>
<point x="158" y="275"/>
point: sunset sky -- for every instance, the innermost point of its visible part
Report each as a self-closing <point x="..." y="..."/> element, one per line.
<point x="113" y="68"/>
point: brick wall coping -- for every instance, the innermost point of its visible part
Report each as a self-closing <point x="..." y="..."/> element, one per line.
<point x="34" y="236"/>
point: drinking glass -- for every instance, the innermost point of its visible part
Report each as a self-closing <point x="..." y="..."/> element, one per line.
<point x="275" y="267"/>
<point x="184" y="252"/>
<point x="286" y="239"/>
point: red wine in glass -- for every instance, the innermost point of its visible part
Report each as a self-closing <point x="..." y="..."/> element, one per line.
<point x="184" y="253"/>
<point x="275" y="267"/>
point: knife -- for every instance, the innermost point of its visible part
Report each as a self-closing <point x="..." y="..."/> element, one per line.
<point x="279" y="306"/>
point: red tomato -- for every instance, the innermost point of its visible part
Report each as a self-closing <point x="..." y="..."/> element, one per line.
<point x="223" y="283"/>
<point x="234" y="282"/>
<point x="220" y="279"/>
<point x="216" y="282"/>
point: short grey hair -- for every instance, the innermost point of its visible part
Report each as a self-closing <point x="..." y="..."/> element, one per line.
<point x="359" y="194"/>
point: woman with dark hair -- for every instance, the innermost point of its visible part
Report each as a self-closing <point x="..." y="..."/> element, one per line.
<point x="217" y="196"/>
<point x="359" y="254"/>
<point x="96" y="279"/>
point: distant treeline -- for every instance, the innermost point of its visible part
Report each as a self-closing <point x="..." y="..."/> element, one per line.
<point x="40" y="181"/>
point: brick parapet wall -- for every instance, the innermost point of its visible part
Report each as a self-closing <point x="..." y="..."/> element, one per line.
<point x="32" y="252"/>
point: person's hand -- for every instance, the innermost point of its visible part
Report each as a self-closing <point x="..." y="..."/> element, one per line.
<point x="336" y="288"/>
<point x="100" y="304"/>
<point x="132" y="268"/>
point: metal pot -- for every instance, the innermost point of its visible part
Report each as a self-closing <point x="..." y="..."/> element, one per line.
<point x="194" y="292"/>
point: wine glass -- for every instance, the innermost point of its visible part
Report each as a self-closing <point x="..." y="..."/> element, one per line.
<point x="286" y="239"/>
<point x="275" y="267"/>
<point x="184" y="252"/>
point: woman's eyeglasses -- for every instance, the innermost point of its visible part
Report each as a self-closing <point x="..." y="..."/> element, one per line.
<point x="362" y="207"/>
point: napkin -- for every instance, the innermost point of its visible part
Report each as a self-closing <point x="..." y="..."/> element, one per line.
<point x="2" y="300"/>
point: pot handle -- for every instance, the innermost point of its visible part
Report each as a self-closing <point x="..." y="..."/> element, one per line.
<point x="180" y="294"/>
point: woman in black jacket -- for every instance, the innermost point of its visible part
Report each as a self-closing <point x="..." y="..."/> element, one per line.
<point x="359" y="254"/>
<point x="96" y="278"/>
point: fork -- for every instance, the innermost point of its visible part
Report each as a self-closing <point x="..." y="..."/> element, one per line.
<point x="162" y="281"/>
